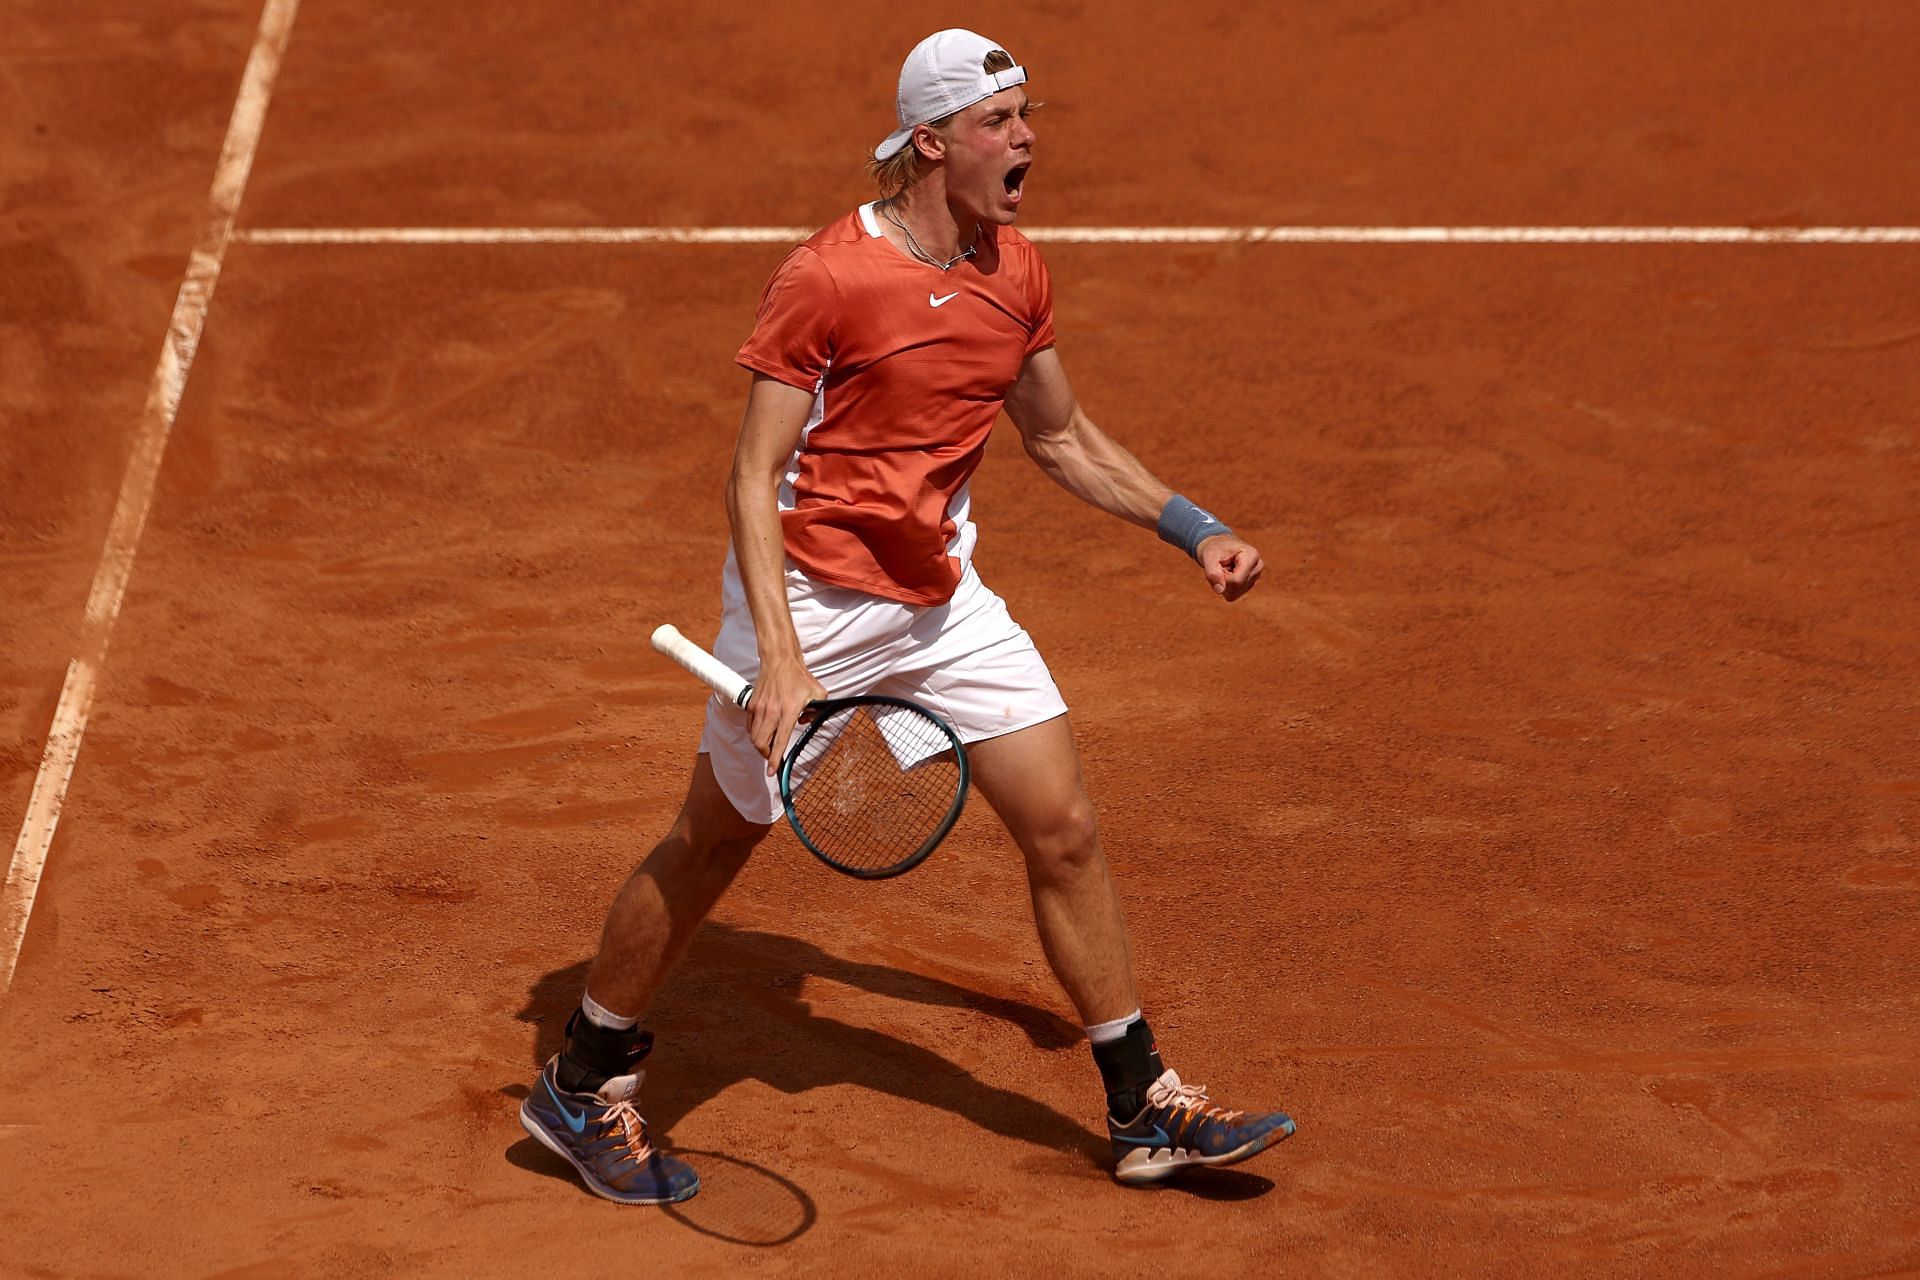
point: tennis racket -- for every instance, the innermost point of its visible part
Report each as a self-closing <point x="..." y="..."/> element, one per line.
<point x="871" y="784"/>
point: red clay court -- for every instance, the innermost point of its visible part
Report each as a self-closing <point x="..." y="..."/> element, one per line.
<point x="1540" y="833"/>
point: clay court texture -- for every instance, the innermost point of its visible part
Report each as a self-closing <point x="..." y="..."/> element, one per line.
<point x="1540" y="833"/>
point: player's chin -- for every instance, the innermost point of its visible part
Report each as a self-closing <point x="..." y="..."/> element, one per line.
<point x="1002" y="212"/>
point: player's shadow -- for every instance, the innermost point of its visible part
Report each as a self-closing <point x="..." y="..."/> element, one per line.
<point x="732" y="1012"/>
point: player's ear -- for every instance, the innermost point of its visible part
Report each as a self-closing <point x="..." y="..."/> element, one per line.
<point x="928" y="141"/>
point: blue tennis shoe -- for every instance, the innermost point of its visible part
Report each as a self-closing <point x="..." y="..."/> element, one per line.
<point x="602" y="1135"/>
<point x="1181" y="1128"/>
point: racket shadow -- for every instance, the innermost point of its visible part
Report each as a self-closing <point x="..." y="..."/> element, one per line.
<point x="740" y="1202"/>
<point x="732" y="1012"/>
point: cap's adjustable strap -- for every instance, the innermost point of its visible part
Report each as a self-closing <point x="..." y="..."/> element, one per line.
<point x="994" y="82"/>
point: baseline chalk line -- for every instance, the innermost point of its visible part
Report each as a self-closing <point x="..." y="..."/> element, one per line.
<point x="169" y="383"/>
<point x="1097" y="235"/>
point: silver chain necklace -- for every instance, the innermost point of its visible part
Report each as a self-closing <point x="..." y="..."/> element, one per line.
<point x="913" y="245"/>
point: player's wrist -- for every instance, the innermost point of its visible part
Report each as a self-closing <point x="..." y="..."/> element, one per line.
<point x="1201" y="545"/>
<point x="786" y="669"/>
<point x="777" y="645"/>
<point x="1185" y="525"/>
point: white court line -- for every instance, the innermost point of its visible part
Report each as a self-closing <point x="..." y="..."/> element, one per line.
<point x="1102" y="235"/>
<point x="136" y="488"/>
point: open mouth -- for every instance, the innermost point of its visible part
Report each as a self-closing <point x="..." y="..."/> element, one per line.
<point x="1016" y="176"/>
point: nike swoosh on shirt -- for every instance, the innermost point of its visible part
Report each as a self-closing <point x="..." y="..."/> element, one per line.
<point x="937" y="302"/>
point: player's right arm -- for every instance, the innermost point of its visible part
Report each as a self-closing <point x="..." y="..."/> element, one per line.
<point x="769" y="433"/>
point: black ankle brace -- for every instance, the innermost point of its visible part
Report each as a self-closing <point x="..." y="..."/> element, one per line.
<point x="1127" y="1066"/>
<point x="594" y="1054"/>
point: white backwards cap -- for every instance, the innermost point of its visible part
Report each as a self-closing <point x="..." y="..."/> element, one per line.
<point x="941" y="76"/>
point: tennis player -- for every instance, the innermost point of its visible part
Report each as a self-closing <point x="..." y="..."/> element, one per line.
<point x="883" y="351"/>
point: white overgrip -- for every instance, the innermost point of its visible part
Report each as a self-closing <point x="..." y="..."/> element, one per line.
<point x="717" y="675"/>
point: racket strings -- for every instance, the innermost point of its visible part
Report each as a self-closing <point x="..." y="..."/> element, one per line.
<point x="873" y="784"/>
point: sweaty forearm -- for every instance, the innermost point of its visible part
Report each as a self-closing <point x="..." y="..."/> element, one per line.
<point x="760" y="552"/>
<point x="1092" y="466"/>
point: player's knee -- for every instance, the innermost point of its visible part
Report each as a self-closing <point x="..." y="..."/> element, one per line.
<point x="722" y="841"/>
<point x="725" y="857"/>
<point x="1068" y="843"/>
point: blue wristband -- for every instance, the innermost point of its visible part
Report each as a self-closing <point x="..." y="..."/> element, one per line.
<point x="1187" y="526"/>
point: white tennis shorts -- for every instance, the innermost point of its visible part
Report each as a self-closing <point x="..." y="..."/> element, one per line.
<point x="966" y="659"/>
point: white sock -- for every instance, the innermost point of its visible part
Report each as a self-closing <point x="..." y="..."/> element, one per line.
<point x="1106" y="1032"/>
<point x="601" y="1016"/>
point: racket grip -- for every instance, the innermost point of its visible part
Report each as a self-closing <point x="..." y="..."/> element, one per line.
<point x="718" y="676"/>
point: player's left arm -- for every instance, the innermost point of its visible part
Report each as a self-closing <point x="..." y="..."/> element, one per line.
<point x="1089" y="464"/>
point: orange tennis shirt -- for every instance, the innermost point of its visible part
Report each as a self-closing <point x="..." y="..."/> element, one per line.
<point x="908" y="365"/>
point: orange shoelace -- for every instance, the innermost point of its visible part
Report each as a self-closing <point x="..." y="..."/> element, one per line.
<point x="1190" y="1104"/>
<point x="633" y="1129"/>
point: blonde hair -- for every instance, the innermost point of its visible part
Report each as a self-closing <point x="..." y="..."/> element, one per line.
<point x="900" y="171"/>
